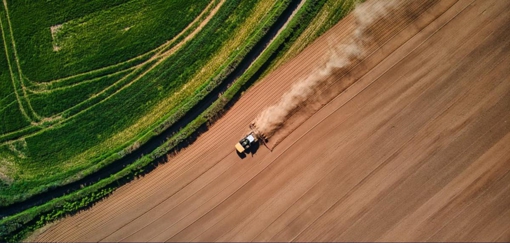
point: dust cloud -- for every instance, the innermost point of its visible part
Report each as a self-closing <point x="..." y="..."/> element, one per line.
<point x="342" y="55"/>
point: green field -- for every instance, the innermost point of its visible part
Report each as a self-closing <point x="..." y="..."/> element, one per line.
<point x="82" y="122"/>
<point x="73" y="116"/>
<point x="83" y="83"/>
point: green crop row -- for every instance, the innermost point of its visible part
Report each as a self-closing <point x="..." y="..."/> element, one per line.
<point x="12" y="120"/>
<point x="47" y="107"/>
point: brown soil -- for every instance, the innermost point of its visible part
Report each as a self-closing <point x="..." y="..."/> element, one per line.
<point x="416" y="148"/>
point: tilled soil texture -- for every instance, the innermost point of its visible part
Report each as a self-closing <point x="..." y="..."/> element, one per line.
<point x="415" y="147"/>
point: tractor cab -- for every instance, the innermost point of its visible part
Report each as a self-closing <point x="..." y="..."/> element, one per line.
<point x="245" y="143"/>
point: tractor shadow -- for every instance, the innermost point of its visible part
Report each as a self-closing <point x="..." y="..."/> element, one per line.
<point x="241" y="155"/>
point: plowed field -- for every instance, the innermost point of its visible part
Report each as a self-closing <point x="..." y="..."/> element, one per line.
<point x="413" y="145"/>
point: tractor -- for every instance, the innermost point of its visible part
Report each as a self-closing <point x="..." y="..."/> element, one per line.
<point x="253" y="137"/>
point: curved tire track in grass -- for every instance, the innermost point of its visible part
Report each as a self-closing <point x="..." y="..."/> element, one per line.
<point x="37" y="121"/>
<point x="155" y="52"/>
<point x="159" y="57"/>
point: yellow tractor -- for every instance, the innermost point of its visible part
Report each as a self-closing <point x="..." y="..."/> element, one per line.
<point x="246" y="142"/>
<point x="253" y="138"/>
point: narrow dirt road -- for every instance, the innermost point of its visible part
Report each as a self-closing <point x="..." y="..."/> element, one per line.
<point x="415" y="148"/>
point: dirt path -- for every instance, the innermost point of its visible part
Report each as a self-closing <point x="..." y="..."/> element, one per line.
<point x="417" y="148"/>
